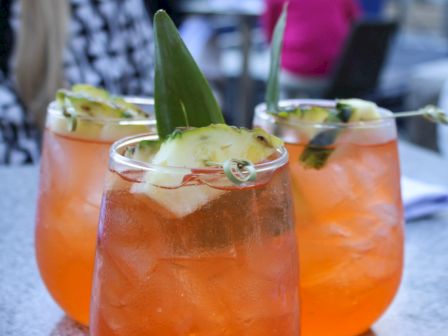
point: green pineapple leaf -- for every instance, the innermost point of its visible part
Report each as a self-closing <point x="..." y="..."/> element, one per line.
<point x="183" y="97"/>
<point x="273" y="87"/>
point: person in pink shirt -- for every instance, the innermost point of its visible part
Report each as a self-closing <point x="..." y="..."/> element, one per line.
<point x="314" y="37"/>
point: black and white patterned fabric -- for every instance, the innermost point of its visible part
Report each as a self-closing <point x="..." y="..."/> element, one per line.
<point x="18" y="137"/>
<point x="110" y="45"/>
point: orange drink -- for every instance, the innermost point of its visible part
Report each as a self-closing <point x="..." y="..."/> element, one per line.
<point x="349" y="220"/>
<point x="72" y="172"/>
<point x="200" y="256"/>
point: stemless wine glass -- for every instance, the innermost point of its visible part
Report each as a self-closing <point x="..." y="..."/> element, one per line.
<point x="194" y="254"/>
<point x="73" y="165"/>
<point x="349" y="219"/>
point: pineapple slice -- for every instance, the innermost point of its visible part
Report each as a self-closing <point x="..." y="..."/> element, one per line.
<point x="90" y="113"/>
<point x="197" y="148"/>
<point x="362" y="110"/>
<point x="319" y="148"/>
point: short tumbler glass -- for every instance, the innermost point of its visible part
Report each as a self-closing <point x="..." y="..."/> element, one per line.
<point x="349" y="220"/>
<point x="194" y="254"/>
<point x="73" y="165"/>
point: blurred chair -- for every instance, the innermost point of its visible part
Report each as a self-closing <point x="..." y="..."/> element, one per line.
<point x="358" y="70"/>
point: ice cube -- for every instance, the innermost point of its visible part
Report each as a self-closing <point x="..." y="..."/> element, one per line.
<point x="181" y="201"/>
<point x="370" y="134"/>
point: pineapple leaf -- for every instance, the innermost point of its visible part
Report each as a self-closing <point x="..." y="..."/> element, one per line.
<point x="183" y="97"/>
<point x="273" y="90"/>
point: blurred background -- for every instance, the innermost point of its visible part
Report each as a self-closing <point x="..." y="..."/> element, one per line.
<point x="394" y="52"/>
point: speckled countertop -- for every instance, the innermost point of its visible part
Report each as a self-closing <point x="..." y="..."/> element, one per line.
<point x="26" y="309"/>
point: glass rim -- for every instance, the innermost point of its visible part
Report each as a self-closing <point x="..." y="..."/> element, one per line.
<point x="114" y="156"/>
<point x="55" y="112"/>
<point x="260" y="111"/>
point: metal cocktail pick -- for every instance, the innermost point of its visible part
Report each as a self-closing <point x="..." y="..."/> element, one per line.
<point x="429" y="112"/>
<point x="316" y="155"/>
<point x="237" y="171"/>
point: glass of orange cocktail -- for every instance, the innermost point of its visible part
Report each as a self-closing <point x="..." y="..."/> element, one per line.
<point x="73" y="165"/>
<point x="193" y="253"/>
<point x="349" y="216"/>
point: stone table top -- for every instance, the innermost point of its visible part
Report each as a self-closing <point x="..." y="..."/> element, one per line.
<point x="26" y="308"/>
